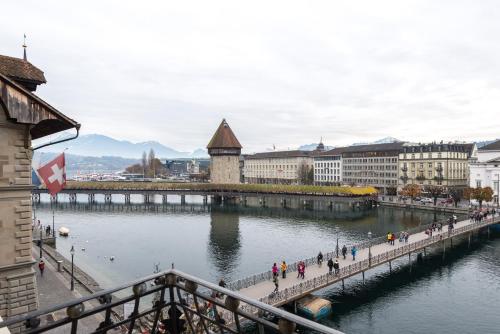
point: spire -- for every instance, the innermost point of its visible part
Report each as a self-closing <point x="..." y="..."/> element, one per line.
<point x="24" y="47"/>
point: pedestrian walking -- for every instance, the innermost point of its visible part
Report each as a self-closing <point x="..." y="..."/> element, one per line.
<point x="302" y="269"/>
<point x="330" y="266"/>
<point x="389" y="237"/>
<point x="284" y="267"/>
<point x="276" y="283"/>
<point x="275" y="270"/>
<point x="320" y="258"/>
<point x="353" y="252"/>
<point x="344" y="251"/>
<point x="222" y="284"/>
<point x="407" y="236"/>
<point x="41" y="266"/>
<point x="336" y="266"/>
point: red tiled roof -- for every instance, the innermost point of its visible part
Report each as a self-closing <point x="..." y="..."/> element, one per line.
<point x="17" y="68"/>
<point x="224" y="137"/>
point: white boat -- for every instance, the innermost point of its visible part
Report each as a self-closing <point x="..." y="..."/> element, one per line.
<point x="63" y="231"/>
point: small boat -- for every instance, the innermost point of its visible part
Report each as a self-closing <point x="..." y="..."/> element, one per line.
<point x="63" y="231"/>
<point x="313" y="307"/>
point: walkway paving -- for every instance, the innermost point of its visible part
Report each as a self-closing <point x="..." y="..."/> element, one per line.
<point x="54" y="289"/>
<point x="265" y="288"/>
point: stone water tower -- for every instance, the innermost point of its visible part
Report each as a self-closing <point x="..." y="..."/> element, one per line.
<point x="224" y="150"/>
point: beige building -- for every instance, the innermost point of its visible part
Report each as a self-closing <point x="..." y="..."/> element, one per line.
<point x="282" y="167"/>
<point x="23" y="117"/>
<point x="435" y="164"/>
<point x="224" y="150"/>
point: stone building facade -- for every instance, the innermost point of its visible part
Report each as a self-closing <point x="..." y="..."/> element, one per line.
<point x="485" y="172"/>
<point x="224" y="150"/>
<point x="23" y="117"/>
<point x="435" y="164"/>
<point x="372" y="165"/>
<point x="281" y="167"/>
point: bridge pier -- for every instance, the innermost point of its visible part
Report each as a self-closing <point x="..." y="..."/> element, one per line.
<point x="127" y="199"/>
<point x="488" y="232"/>
<point x="91" y="198"/>
<point x="425" y="254"/>
<point x="444" y="249"/>
<point x="35" y="199"/>
<point x="216" y="199"/>
<point x="108" y="199"/>
<point x="244" y="201"/>
<point x="183" y="199"/>
<point x="72" y="198"/>
<point x="164" y="199"/>
<point x="343" y="286"/>
<point x="409" y="261"/>
<point x="205" y="200"/>
<point x="262" y="201"/>
<point x="283" y="202"/>
<point x="53" y="199"/>
<point x="363" y="277"/>
<point x="469" y="239"/>
<point x="390" y="266"/>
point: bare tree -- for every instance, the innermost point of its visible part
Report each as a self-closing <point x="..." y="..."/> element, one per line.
<point x="435" y="192"/>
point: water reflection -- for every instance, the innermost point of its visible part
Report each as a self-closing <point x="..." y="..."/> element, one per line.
<point x="224" y="241"/>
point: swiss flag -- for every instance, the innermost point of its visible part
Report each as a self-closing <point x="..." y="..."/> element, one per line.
<point x="53" y="174"/>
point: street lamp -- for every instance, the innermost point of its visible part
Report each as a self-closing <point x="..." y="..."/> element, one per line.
<point x="370" y="249"/>
<point x="72" y="251"/>
<point x="41" y="241"/>
<point x="53" y="226"/>
<point x="337" y="245"/>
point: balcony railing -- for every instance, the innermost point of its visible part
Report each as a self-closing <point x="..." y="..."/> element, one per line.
<point x="167" y="302"/>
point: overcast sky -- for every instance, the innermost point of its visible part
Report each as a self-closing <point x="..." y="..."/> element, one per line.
<point x="283" y="73"/>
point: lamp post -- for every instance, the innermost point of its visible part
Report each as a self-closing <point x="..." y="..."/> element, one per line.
<point x="337" y="245"/>
<point x="72" y="251"/>
<point x="41" y="241"/>
<point x="53" y="231"/>
<point x="370" y="249"/>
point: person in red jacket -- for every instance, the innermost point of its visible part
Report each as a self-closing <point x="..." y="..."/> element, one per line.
<point x="41" y="266"/>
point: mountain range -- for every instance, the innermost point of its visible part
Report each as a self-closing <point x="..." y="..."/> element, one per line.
<point x="95" y="145"/>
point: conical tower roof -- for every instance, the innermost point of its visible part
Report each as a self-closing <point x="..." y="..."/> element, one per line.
<point x="224" y="138"/>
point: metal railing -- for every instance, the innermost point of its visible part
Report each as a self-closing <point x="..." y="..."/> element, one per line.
<point x="181" y="303"/>
<point x="292" y="267"/>
<point x="322" y="281"/>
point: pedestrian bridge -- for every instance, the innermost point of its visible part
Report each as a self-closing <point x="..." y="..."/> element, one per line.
<point x="369" y="255"/>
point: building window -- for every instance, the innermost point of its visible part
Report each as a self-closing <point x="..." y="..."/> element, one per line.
<point x="478" y="183"/>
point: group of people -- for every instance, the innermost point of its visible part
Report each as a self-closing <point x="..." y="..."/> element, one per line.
<point x="478" y="215"/>
<point x="403" y="237"/>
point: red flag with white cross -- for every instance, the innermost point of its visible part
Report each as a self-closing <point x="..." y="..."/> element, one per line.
<point x="53" y="174"/>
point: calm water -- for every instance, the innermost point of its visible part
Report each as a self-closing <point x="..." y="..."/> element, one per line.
<point x="461" y="295"/>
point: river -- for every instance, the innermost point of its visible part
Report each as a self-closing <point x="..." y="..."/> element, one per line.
<point x="459" y="295"/>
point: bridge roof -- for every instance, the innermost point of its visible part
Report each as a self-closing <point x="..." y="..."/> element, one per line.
<point x="224" y="138"/>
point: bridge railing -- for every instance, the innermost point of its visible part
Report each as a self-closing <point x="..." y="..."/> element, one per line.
<point x="312" y="284"/>
<point x="181" y="304"/>
<point x="292" y="267"/>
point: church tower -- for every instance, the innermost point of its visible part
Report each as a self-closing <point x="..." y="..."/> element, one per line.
<point x="224" y="150"/>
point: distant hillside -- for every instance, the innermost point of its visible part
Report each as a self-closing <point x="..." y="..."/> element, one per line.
<point x="95" y="145"/>
<point x="80" y="164"/>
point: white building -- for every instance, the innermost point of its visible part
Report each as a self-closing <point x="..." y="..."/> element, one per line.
<point x="282" y="167"/>
<point x="328" y="167"/>
<point x="486" y="171"/>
